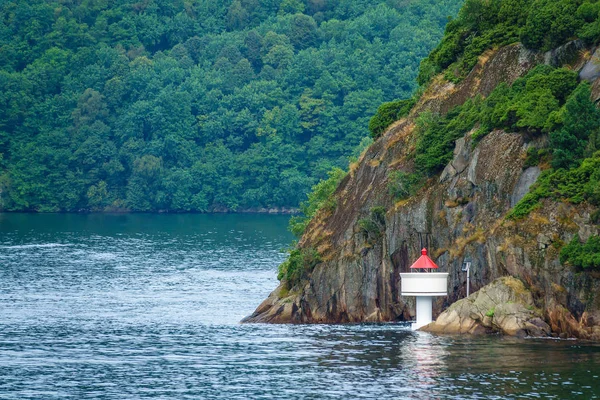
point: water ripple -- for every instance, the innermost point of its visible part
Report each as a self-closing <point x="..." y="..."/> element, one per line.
<point x="120" y="307"/>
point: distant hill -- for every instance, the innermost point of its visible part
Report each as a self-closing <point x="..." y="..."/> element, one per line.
<point x="196" y="105"/>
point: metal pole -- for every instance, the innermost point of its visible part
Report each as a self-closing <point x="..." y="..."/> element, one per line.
<point x="468" y="279"/>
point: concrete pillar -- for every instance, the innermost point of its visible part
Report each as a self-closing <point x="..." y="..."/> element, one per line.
<point x="424" y="310"/>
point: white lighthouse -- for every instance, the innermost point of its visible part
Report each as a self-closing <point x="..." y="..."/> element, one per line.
<point x="424" y="284"/>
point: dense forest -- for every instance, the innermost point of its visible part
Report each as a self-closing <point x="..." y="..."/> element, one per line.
<point x="193" y="105"/>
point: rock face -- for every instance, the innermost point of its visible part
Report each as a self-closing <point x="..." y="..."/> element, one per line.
<point x="591" y="69"/>
<point x="503" y="306"/>
<point x="460" y="214"/>
<point x="527" y="178"/>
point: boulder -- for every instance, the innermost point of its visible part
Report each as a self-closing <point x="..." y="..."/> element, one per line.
<point x="504" y="306"/>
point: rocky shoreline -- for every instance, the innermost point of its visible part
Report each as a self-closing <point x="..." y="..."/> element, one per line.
<point x="460" y="214"/>
<point x="504" y="306"/>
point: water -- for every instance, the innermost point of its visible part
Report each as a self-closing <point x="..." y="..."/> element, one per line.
<point x="147" y="306"/>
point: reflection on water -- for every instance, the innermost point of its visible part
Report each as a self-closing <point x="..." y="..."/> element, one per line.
<point x="147" y="306"/>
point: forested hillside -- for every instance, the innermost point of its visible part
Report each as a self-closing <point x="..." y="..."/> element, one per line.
<point x="196" y="105"/>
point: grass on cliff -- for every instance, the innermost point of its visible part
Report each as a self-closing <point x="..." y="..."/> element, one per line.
<point x="300" y="262"/>
<point x="575" y="157"/>
<point x="388" y="113"/>
<point x="402" y="185"/>
<point x="303" y="260"/>
<point x="547" y="100"/>
<point x="483" y="24"/>
<point x="373" y="226"/>
<point x="582" y="255"/>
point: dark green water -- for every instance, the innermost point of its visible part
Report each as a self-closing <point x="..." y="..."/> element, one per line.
<point x="147" y="306"/>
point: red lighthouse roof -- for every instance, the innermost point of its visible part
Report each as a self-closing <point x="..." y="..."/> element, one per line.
<point x="424" y="262"/>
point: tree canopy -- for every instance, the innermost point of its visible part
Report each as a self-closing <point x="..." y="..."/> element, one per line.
<point x="195" y="105"/>
<point x="483" y="24"/>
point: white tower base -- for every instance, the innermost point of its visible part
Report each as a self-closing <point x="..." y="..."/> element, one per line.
<point x="423" y="312"/>
<point x="424" y="286"/>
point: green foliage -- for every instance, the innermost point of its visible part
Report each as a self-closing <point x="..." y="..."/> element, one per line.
<point x="483" y="24"/>
<point x="369" y="227"/>
<point x="582" y="255"/>
<point x="527" y="204"/>
<point x="378" y="214"/>
<point x="195" y="105"/>
<point x="575" y="186"/>
<point x="535" y="103"/>
<point x="300" y="262"/>
<point x="374" y="225"/>
<point x="595" y="217"/>
<point x="438" y="134"/>
<point x="572" y="180"/>
<point x="402" y="185"/>
<point x="550" y="23"/>
<point x="320" y="198"/>
<point x="546" y="100"/>
<point x="490" y="313"/>
<point x="387" y="113"/>
<point x="535" y="157"/>
<point x="581" y="120"/>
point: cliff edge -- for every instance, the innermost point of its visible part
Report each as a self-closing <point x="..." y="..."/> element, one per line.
<point x="370" y="236"/>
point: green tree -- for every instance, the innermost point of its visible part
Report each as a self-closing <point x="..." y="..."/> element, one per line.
<point x="303" y="31"/>
<point x="291" y="7"/>
<point x="237" y="16"/>
<point x="580" y="121"/>
<point x="320" y="198"/>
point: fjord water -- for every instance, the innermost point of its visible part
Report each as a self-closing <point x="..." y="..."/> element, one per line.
<point x="148" y="306"/>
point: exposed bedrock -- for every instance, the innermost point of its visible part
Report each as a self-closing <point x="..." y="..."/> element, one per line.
<point x="504" y="306"/>
<point x="459" y="214"/>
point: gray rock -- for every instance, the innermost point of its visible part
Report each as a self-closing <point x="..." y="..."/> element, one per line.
<point x="471" y="175"/>
<point x="420" y="217"/>
<point x="461" y="156"/>
<point x="459" y="162"/>
<point x="358" y="279"/>
<point x="504" y="306"/>
<point x="565" y="54"/>
<point x="527" y="178"/>
<point x="543" y="241"/>
<point x="591" y="70"/>
<point x="448" y="173"/>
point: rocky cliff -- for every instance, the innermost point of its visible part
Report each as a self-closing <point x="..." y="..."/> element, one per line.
<point x="457" y="215"/>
